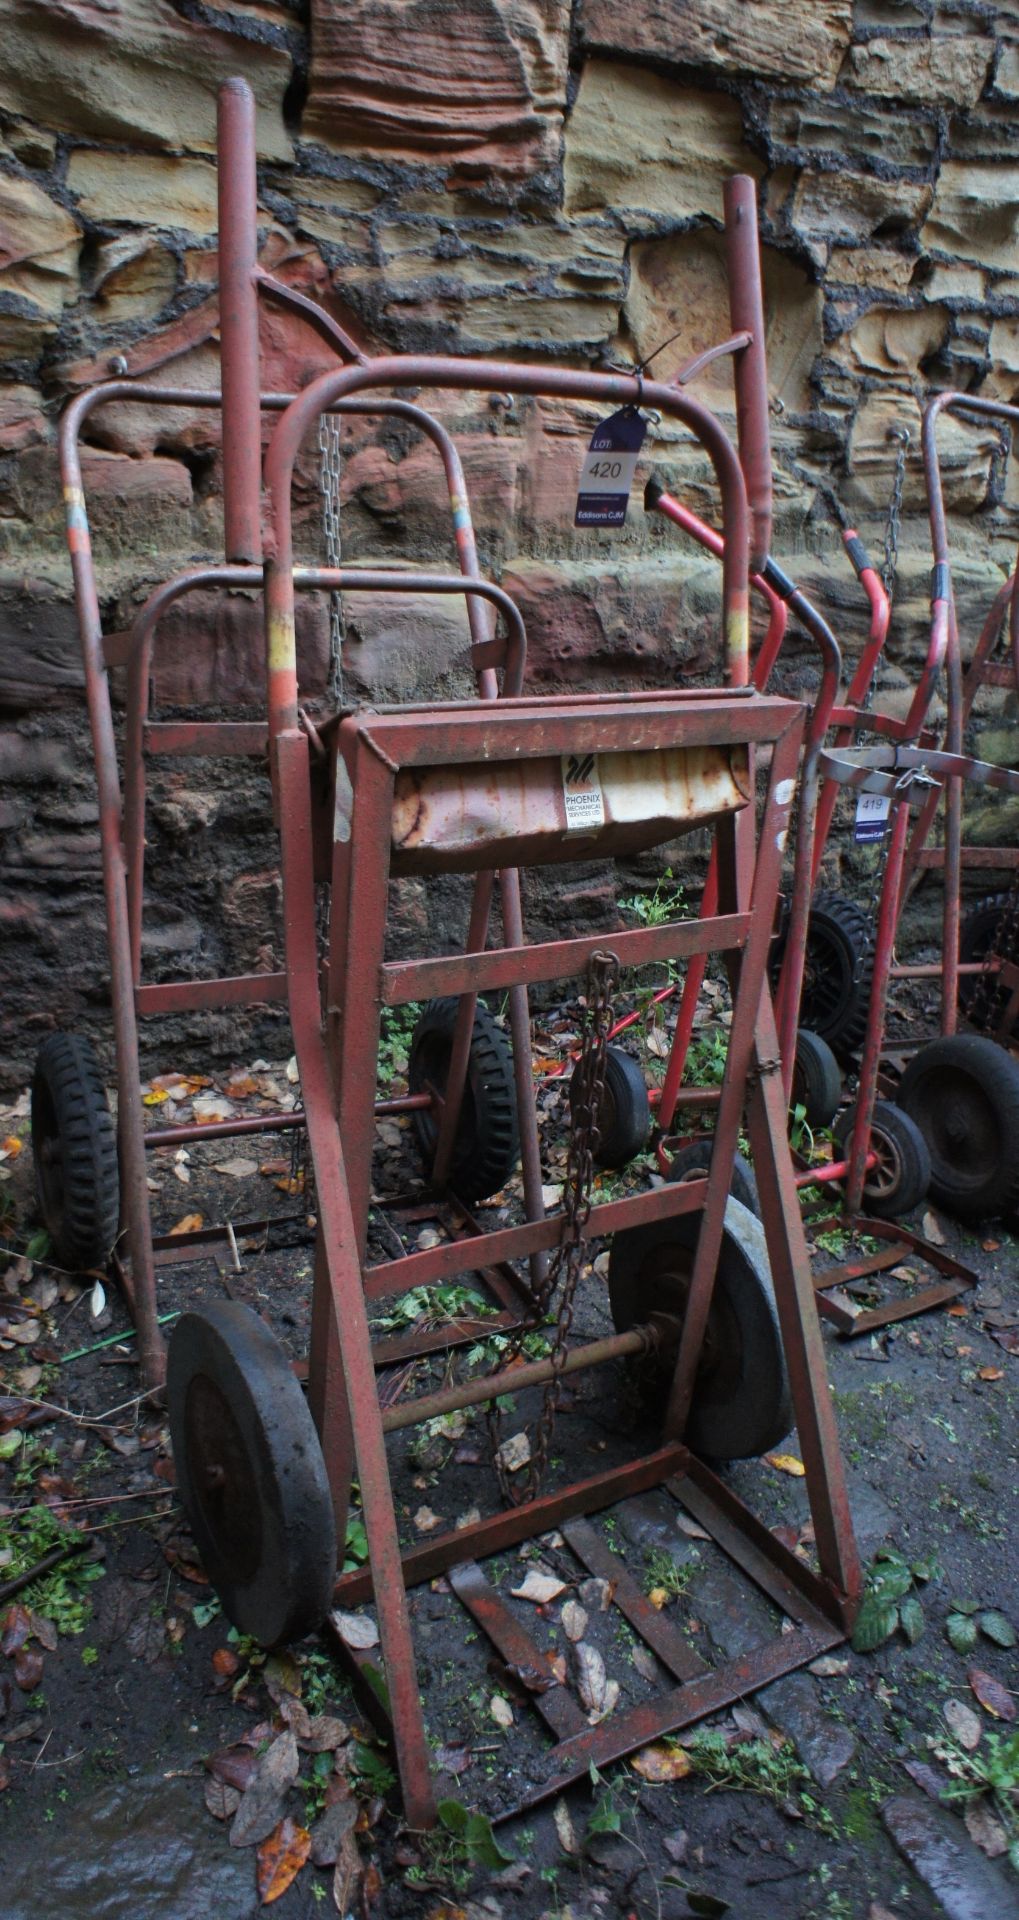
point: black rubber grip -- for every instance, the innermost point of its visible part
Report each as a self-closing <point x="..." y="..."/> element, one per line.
<point x="940" y="581"/>
<point x="858" y="554"/>
<point x="653" y="492"/>
<point x="775" y="578"/>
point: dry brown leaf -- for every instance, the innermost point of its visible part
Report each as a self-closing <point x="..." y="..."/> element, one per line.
<point x="325" y="1733"/>
<point x="539" y="1588"/>
<point x="222" y="1801"/>
<point x="985" y="1831"/>
<point x="514" y="1453"/>
<point x="564" y="1828"/>
<point x="356" y="1629"/>
<point x="596" y="1594"/>
<point x="990" y="1373"/>
<point x="347" y="1875"/>
<point x="574" y="1619"/>
<point x="426" y="1521"/>
<point x="659" y="1598"/>
<point x="280" y="1858"/>
<point x="591" y="1677"/>
<point x="191" y="1223"/>
<point x="965" y="1724"/>
<point x="993" y="1697"/>
<point x="237" y="1168"/>
<point x="930" y="1227"/>
<point x="262" y="1800"/>
<point x="692" y="1528"/>
<point x="500" y="1710"/>
<point x="658" y="1763"/>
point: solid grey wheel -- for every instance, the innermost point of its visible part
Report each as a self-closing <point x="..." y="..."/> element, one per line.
<point x="817" y="1080"/>
<point x="486" y="1147"/>
<point x="963" y="1093"/>
<point x="694" y="1159"/>
<point x="624" y="1118"/>
<point x="742" y="1404"/>
<point x="250" y="1473"/>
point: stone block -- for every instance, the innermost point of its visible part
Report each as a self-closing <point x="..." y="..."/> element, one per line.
<point x="639" y="143"/>
<point x="134" y="71"/>
<point x="131" y="503"/>
<point x="965" y="452"/>
<point x="803" y="40"/>
<point x="391" y="79"/>
<point x="22" y="422"/>
<point x="632" y="621"/>
<point x="842" y="206"/>
<point x="132" y="280"/>
<point x="38" y="262"/>
<point x="403" y="646"/>
<point x="871" y="267"/>
<point x="162" y="191"/>
<point x="401" y="495"/>
<point x="948" y="69"/>
<point x="40" y="656"/>
<point x="854" y="129"/>
<point x="28" y="759"/>
<point x="678" y="285"/>
<point x="975" y="213"/>
<point x="896" y="339"/>
<point x="210" y="651"/>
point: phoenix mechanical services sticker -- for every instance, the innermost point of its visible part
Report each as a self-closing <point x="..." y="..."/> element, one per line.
<point x="607" y="474"/>
<point x="872" y="810"/>
<point x="582" y="794"/>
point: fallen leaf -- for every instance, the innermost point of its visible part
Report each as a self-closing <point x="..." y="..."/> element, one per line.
<point x="995" y="1625"/>
<point x="931" y="1229"/>
<point x="828" y="1667"/>
<point x="993" y="1697"/>
<point x="325" y="1733"/>
<point x="241" y="1085"/>
<point x="28" y="1666"/>
<point x="692" y="1528"/>
<point x="965" y="1724"/>
<point x="596" y="1594"/>
<point x="338" y="1819"/>
<point x="10" y="1146"/>
<point x="225" y="1663"/>
<point x="209" y="1107"/>
<point x="237" y="1168"/>
<point x="990" y="1373"/>
<point x="25" y="1332"/>
<point x="45" y="1631"/>
<point x="356" y="1629"/>
<point x="222" y="1801"/>
<point x="659" y="1598"/>
<point x="591" y="1677"/>
<point x="658" y="1763"/>
<point x="1008" y="1338"/>
<point x="514" y="1453"/>
<point x="539" y="1588"/>
<point x="574" y="1619"/>
<point x="500" y="1710"/>
<point x="261" y="1802"/>
<point x="426" y="1521"/>
<point x="961" y="1632"/>
<point x="957" y="1313"/>
<point x="645" y="1662"/>
<point x="347" y="1875"/>
<point x="564" y="1828"/>
<point x="280" y="1858"/>
<point x="293" y="1072"/>
<point x="985" y="1831"/>
<point x="990" y="1246"/>
<point x="786" y="1463"/>
<point x="191" y="1223"/>
<point x="233" y="1766"/>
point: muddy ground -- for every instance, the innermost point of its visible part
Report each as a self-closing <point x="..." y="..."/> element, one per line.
<point x="820" y="1799"/>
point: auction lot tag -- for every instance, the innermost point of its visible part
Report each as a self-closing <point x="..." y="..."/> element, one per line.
<point x="609" y="466"/>
<point x="872" y="810"/>
<point x="582" y="794"/>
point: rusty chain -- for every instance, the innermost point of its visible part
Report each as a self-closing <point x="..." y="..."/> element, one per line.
<point x="565" y="1265"/>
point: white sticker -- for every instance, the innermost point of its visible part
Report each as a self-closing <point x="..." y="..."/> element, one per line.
<point x="784" y="792"/>
<point x="872" y="810"/>
<point x="582" y="794"/>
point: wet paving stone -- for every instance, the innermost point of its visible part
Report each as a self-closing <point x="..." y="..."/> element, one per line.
<point x="823" y="1744"/>
<point x="141" y="1849"/>
<point x="968" y="1886"/>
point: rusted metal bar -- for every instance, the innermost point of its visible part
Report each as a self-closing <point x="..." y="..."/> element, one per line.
<point x="654" y="1628"/>
<point x="246" y="989"/>
<point x="403" y="980"/>
<point x="746" y="311"/>
<point x="238" y="323"/>
<point x="533" y="1373"/>
<point x="555" y="1704"/>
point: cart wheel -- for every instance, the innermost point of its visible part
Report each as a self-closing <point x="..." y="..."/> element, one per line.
<point x="487" y="1144"/>
<point x="625" y="1109"/>
<point x="250" y="1473"/>
<point x="902" y="1175"/>
<point x="74" y="1145"/>
<point x="742" y="1405"/>
<point x="817" y="1079"/>
<point x="695" y="1159"/>
<point x="978" y="937"/>
<point x="838" y="973"/>
<point x="963" y="1093"/>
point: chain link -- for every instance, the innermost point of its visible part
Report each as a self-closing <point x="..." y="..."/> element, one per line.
<point x="587" y="1093"/>
<point x="330" y="468"/>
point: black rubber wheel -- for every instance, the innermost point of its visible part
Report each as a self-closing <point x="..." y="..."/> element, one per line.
<point x="838" y="972"/>
<point x="963" y="1093"/>
<point x="487" y="1144"/>
<point x="74" y="1146"/>
<point x="902" y="1176"/>
<point x="978" y="936"/>
<point x="695" y="1159"/>
<point x="250" y="1473"/>
<point x="742" y="1404"/>
<point x="625" y="1116"/>
<point x="817" y="1079"/>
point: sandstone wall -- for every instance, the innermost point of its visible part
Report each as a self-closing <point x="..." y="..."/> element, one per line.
<point x="492" y="175"/>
